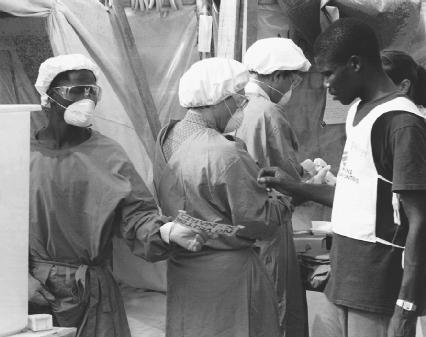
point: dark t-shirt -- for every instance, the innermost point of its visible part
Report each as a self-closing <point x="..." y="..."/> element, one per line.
<point x="365" y="275"/>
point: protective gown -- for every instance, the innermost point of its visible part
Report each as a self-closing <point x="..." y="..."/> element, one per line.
<point x="223" y="290"/>
<point x="80" y="197"/>
<point x="271" y="141"/>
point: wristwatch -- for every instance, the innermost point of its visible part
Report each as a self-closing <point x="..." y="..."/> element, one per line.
<point x="408" y="306"/>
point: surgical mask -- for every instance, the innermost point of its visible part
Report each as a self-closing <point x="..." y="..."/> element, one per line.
<point x="237" y="117"/>
<point x="235" y="121"/>
<point x="278" y="91"/>
<point x="79" y="113"/>
<point x="285" y="97"/>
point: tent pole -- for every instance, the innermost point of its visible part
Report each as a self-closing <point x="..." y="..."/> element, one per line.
<point x="138" y="69"/>
<point x="249" y="15"/>
<point x="228" y="29"/>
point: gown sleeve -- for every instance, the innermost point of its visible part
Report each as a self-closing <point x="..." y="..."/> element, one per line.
<point x="282" y="144"/>
<point x="140" y="218"/>
<point x="247" y="201"/>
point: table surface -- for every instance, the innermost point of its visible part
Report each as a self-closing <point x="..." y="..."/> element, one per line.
<point x="55" y="332"/>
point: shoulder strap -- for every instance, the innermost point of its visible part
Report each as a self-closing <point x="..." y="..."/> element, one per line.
<point x="351" y="115"/>
<point x="399" y="103"/>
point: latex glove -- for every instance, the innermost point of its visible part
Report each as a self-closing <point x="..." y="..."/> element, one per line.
<point x="37" y="293"/>
<point x="319" y="163"/>
<point x="185" y="237"/>
<point x="402" y="324"/>
<point x="319" y="178"/>
<point x="330" y="179"/>
<point x="309" y="167"/>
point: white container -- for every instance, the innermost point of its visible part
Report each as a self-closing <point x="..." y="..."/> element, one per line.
<point x="14" y="217"/>
<point x="40" y="322"/>
<point x="321" y="227"/>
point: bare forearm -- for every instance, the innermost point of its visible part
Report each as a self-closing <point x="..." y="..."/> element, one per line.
<point x="414" y="262"/>
<point x="322" y="194"/>
<point x="415" y="249"/>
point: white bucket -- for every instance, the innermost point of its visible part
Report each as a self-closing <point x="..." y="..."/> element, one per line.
<point x="14" y="217"/>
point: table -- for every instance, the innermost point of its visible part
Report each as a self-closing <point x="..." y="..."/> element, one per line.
<point x="55" y="332"/>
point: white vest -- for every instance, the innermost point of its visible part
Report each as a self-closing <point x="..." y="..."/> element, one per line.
<point x="355" y="198"/>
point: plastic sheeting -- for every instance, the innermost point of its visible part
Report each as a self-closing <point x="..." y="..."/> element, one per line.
<point x="89" y="28"/>
<point x="15" y="87"/>
<point x="86" y="27"/>
<point x="398" y="23"/>
<point x="167" y="42"/>
<point x="272" y="22"/>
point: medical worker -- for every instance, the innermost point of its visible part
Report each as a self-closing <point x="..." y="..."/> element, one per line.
<point x="83" y="189"/>
<point x="276" y="66"/>
<point x="224" y="289"/>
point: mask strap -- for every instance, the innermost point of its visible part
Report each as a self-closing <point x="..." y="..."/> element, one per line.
<point x="227" y="107"/>
<point x="56" y="102"/>
<point x="255" y="80"/>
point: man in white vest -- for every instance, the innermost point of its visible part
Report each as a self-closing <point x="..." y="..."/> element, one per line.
<point x="376" y="287"/>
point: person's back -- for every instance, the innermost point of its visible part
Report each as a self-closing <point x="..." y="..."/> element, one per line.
<point x="223" y="289"/>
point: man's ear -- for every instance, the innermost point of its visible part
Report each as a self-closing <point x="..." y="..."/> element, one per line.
<point x="405" y="86"/>
<point x="277" y="75"/>
<point x="355" y="63"/>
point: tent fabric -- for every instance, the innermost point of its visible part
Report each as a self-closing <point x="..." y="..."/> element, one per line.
<point x="15" y="87"/>
<point x="398" y="23"/>
<point x="272" y="22"/>
<point x="167" y="42"/>
<point x="89" y="28"/>
<point x="27" y="7"/>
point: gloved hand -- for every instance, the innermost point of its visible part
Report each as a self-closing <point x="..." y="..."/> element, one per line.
<point x="185" y="237"/>
<point x="308" y="168"/>
<point x="319" y="177"/>
<point x="37" y="293"/>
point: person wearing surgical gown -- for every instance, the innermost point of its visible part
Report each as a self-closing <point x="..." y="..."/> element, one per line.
<point x="276" y="66"/>
<point x="223" y="289"/>
<point x="83" y="190"/>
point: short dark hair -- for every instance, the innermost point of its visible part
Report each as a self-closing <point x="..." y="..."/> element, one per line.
<point x="345" y="38"/>
<point x="399" y="66"/>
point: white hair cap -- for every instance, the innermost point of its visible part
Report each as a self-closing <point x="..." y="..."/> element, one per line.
<point x="53" y="66"/>
<point x="268" y="55"/>
<point x="210" y="81"/>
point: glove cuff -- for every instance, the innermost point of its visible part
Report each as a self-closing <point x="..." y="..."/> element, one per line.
<point x="165" y="231"/>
